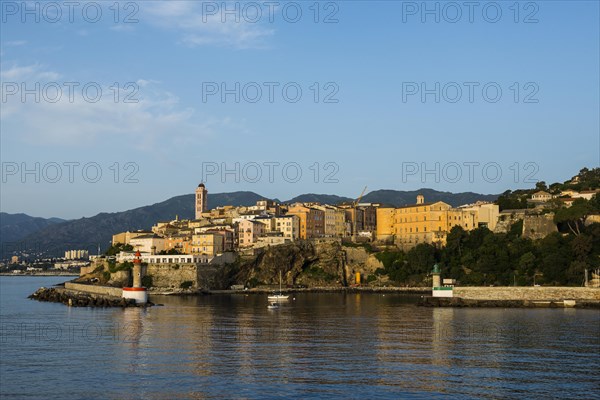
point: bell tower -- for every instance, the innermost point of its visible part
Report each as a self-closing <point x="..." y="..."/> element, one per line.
<point x="201" y="200"/>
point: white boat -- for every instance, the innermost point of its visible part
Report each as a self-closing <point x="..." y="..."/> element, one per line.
<point x="278" y="296"/>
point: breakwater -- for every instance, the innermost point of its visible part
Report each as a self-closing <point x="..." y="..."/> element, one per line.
<point x="526" y="293"/>
<point x="428" y="301"/>
<point x="79" y="299"/>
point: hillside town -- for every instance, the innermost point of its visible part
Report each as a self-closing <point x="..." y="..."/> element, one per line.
<point x="215" y="232"/>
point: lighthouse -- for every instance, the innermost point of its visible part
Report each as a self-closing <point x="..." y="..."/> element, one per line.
<point x="136" y="292"/>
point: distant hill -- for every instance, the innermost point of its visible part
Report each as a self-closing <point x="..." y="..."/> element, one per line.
<point x="14" y="227"/>
<point x="88" y="233"/>
<point x="319" y="198"/>
<point x="54" y="237"/>
<point x="398" y="198"/>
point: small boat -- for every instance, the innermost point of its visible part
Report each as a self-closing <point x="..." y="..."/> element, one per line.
<point x="273" y="306"/>
<point x="278" y="296"/>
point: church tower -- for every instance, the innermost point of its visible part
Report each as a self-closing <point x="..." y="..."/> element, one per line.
<point x="201" y="200"/>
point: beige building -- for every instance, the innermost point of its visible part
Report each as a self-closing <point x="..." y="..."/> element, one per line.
<point x="541" y="196"/>
<point x="487" y="213"/>
<point x="249" y="231"/>
<point x="125" y="237"/>
<point x="288" y="225"/>
<point x="149" y="243"/>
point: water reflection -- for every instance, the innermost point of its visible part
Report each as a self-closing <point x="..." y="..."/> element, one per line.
<point x="344" y="345"/>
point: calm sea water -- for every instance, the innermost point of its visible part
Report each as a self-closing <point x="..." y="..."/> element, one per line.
<point x="319" y="345"/>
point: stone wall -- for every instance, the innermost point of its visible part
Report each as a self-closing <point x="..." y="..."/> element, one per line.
<point x="172" y="275"/>
<point x="527" y="293"/>
<point x="101" y="290"/>
<point x="506" y="219"/>
<point x="538" y="226"/>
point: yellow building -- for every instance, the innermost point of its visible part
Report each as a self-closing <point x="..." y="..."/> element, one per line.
<point x="422" y="223"/>
<point x="209" y="243"/>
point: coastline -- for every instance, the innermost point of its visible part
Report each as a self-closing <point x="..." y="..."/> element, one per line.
<point x="328" y="289"/>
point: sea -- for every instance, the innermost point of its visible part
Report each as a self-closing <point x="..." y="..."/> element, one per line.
<point x="316" y="345"/>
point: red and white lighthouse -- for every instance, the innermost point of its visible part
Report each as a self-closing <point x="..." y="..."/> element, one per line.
<point x="137" y="291"/>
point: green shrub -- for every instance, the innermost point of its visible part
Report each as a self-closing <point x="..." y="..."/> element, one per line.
<point x="253" y="282"/>
<point x="106" y="276"/>
<point x="186" y="284"/>
<point x="147" y="281"/>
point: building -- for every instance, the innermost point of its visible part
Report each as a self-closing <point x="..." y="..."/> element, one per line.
<point x="422" y="222"/>
<point x="180" y="243"/>
<point x="249" y="231"/>
<point x="312" y="220"/>
<point x="369" y="217"/>
<point x="76" y="254"/>
<point x="125" y="237"/>
<point x="228" y="234"/>
<point x="355" y="217"/>
<point x="541" y="196"/>
<point x="334" y="220"/>
<point x="586" y="194"/>
<point x="149" y="243"/>
<point x="208" y="243"/>
<point x="267" y="221"/>
<point x="201" y="200"/>
<point x="488" y="213"/>
<point x="288" y="225"/>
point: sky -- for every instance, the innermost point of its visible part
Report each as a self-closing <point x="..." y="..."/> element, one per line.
<point x="108" y="106"/>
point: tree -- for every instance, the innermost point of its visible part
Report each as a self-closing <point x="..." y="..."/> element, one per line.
<point x="541" y="185"/>
<point x="574" y="216"/>
<point x="420" y="259"/>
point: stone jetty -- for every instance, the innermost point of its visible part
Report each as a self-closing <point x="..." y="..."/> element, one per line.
<point x="77" y="299"/>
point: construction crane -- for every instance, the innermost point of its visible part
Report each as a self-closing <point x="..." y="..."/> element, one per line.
<point x="354" y="230"/>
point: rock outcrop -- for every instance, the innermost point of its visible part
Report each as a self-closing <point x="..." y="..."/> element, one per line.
<point x="80" y="299"/>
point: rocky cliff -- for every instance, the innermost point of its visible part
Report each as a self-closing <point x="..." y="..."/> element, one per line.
<point x="324" y="262"/>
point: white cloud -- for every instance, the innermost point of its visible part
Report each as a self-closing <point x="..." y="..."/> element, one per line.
<point x="154" y="122"/>
<point x="14" y="43"/>
<point x="30" y="73"/>
<point x="199" y="30"/>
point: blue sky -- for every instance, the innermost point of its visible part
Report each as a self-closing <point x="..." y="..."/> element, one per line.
<point x="376" y="134"/>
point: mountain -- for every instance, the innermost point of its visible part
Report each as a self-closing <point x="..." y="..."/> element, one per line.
<point x="14" y="227"/>
<point x="319" y="198"/>
<point x="398" y="198"/>
<point x="88" y="233"/>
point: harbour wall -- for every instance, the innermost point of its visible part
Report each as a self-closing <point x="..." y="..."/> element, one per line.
<point x="99" y="290"/>
<point x="526" y="293"/>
